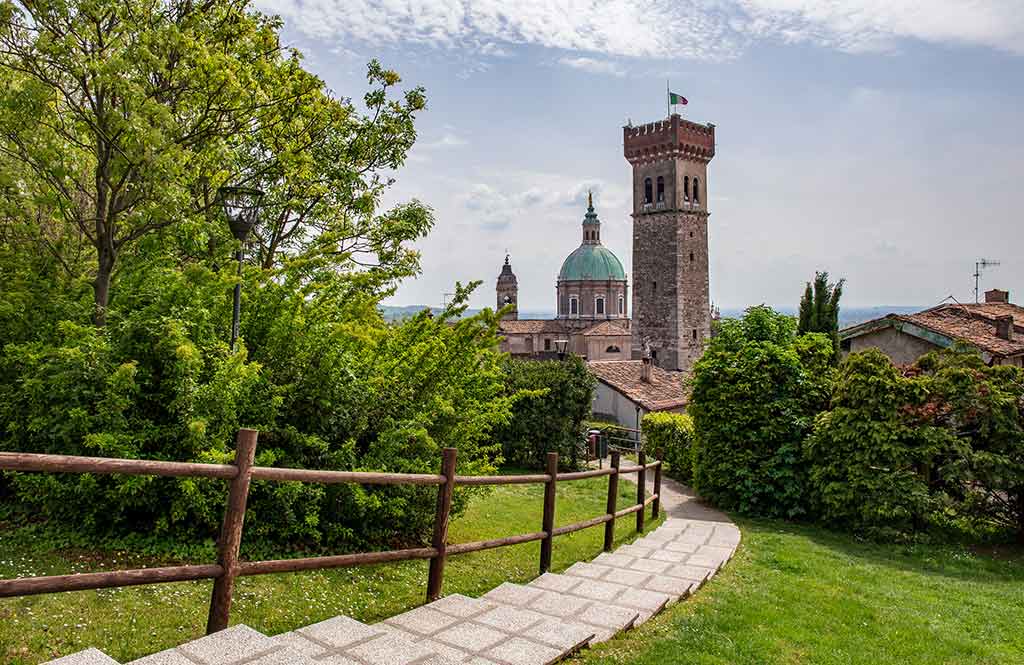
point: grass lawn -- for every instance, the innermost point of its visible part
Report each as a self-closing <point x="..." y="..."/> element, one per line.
<point x="135" y="621"/>
<point x="796" y="594"/>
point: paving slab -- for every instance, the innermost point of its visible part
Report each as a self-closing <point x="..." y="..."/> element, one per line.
<point x="461" y="606"/>
<point x="562" y="635"/>
<point x="513" y="594"/>
<point x="339" y="632"/>
<point x="558" y="604"/>
<point x="519" y="651"/>
<point x="423" y="620"/>
<point x="90" y="656"/>
<point x="388" y="649"/>
<point x="591" y="570"/>
<point x="510" y="619"/>
<point x="471" y="637"/>
<point x="598" y="590"/>
<point x="555" y="582"/>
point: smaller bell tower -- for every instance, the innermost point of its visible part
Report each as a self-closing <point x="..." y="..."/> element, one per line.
<point x="508" y="291"/>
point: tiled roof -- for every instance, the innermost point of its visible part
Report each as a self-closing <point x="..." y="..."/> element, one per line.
<point x="665" y="390"/>
<point x="608" y="328"/>
<point x="974" y="323"/>
<point x="531" y="326"/>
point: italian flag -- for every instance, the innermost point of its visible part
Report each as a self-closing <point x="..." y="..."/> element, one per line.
<point x="673" y="98"/>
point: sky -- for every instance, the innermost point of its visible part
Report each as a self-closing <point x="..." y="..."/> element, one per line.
<point x="880" y="140"/>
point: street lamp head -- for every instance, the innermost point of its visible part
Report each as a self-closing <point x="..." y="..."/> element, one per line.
<point x="241" y="204"/>
<point x="561" y="345"/>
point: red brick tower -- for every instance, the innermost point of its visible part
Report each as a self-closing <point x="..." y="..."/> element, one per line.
<point x="671" y="301"/>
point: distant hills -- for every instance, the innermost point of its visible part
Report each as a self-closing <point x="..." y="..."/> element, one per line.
<point x="848" y="316"/>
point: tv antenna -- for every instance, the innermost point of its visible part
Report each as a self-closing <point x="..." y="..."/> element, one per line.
<point x="978" y="266"/>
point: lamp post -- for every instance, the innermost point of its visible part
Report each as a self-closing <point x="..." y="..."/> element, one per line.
<point x="560" y="346"/>
<point x="241" y="205"/>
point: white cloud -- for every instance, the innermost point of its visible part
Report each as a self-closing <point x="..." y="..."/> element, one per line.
<point x="696" y="29"/>
<point x="594" y="66"/>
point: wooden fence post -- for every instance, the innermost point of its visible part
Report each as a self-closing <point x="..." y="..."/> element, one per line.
<point x="548" y="522"/>
<point x="613" y="495"/>
<point x="444" y="507"/>
<point x="231" y="532"/>
<point x="656" y="505"/>
<point x="641" y="493"/>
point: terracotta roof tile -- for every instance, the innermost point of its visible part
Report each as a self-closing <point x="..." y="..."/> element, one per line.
<point x="974" y="324"/>
<point x="665" y="390"/>
<point x="531" y="326"/>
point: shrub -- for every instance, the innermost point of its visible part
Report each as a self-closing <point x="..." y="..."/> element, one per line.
<point x="756" y="391"/>
<point x="983" y="407"/>
<point x="670" y="435"/>
<point x="552" y="404"/>
<point x="871" y="452"/>
<point x="330" y="386"/>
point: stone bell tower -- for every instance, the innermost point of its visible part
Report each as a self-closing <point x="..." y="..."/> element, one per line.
<point x="671" y="301"/>
<point x="508" y="290"/>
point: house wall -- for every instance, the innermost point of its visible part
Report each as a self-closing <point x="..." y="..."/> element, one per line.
<point x="597" y="347"/>
<point x="902" y="349"/>
<point x="610" y="402"/>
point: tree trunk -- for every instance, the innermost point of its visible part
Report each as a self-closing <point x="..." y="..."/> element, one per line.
<point x="101" y="286"/>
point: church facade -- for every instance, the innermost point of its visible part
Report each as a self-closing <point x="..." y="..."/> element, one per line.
<point x="671" y="311"/>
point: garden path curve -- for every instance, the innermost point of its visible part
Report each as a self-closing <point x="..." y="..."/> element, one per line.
<point x="538" y="623"/>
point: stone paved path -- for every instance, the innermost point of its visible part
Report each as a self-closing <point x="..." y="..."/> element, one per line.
<point x="534" y="624"/>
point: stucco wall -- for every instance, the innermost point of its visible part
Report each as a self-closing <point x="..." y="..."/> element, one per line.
<point x="610" y="402"/>
<point x="901" y="348"/>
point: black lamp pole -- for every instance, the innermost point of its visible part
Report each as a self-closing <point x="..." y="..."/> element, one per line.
<point x="241" y="205"/>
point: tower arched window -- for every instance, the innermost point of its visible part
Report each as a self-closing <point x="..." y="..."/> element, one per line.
<point x="574" y="306"/>
<point x="686" y="187"/>
<point x="696" y="190"/>
<point x="599" y="305"/>
<point x="661" y="189"/>
<point x="648" y="193"/>
<point x="622" y="306"/>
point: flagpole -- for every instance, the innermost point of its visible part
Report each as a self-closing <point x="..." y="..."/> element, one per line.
<point x="668" y="109"/>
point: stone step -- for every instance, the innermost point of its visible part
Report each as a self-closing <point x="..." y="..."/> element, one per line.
<point x="646" y="602"/>
<point x="90" y="656"/>
<point x="603" y="619"/>
<point x="344" y="641"/>
<point x="233" y="646"/>
<point x="482" y="631"/>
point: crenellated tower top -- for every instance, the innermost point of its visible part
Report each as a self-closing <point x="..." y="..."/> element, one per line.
<point x="669" y="138"/>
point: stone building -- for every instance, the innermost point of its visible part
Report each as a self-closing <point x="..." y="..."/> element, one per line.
<point x="994" y="327"/>
<point x="671" y="300"/>
<point x="591" y="297"/>
<point x="640" y="361"/>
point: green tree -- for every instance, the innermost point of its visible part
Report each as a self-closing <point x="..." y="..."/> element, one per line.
<point x="819" y="308"/>
<point x="756" y="391"/>
<point x="871" y="454"/>
<point x="552" y="403"/>
<point x="983" y="408"/>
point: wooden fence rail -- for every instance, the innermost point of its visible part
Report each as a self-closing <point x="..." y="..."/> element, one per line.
<point x="241" y="474"/>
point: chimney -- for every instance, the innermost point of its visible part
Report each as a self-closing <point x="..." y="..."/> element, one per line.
<point x="1004" y="325"/>
<point x="997" y="295"/>
<point x="645" y="369"/>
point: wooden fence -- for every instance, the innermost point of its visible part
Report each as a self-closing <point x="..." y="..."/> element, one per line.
<point x="242" y="472"/>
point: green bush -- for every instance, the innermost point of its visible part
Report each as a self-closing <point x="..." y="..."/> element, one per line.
<point x="552" y="404"/>
<point x="756" y="391"/>
<point x="329" y="385"/>
<point x="871" y="453"/>
<point x="670" y="435"/>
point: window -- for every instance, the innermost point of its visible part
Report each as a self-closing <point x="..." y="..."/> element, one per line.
<point x="694" y="333"/>
<point x="696" y="190"/>
<point x="599" y="305"/>
<point x="547" y="344"/>
<point x="612" y="349"/>
<point x="574" y="306"/>
<point x="691" y="257"/>
<point x="622" y="306"/>
<point x="686" y="187"/>
<point x="648" y="194"/>
<point x="661" y="189"/>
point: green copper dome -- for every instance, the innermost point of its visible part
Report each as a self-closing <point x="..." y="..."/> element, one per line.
<point x="591" y="262"/>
